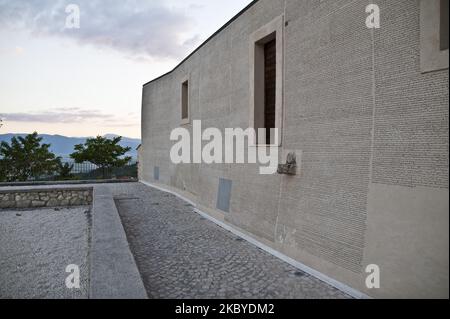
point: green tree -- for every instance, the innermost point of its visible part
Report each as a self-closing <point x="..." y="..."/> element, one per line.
<point x="103" y="152"/>
<point x="2" y="171"/>
<point x="26" y="158"/>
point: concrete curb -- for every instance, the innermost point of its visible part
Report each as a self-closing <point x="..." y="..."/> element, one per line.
<point x="113" y="270"/>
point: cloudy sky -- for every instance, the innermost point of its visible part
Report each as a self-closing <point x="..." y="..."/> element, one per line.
<point x="88" y="81"/>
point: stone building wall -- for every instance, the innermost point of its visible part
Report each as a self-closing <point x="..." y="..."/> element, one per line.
<point x="369" y="127"/>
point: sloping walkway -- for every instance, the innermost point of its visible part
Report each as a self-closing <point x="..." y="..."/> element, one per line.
<point x="182" y="255"/>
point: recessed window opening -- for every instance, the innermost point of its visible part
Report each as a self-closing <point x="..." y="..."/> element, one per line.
<point x="443" y="30"/>
<point x="265" y="87"/>
<point x="185" y="100"/>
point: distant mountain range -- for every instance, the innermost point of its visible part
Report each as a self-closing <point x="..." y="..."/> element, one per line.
<point x="63" y="145"/>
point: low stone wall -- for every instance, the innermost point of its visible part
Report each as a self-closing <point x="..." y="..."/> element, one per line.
<point x="48" y="197"/>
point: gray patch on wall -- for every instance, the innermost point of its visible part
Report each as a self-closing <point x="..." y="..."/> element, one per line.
<point x="224" y="195"/>
<point x="156" y="173"/>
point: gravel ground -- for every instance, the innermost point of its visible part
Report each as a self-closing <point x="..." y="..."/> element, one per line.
<point x="37" y="246"/>
<point x="182" y="255"/>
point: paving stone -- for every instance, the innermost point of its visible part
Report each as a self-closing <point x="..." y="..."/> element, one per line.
<point x="181" y="255"/>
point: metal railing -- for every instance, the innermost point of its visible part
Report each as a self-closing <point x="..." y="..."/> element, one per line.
<point x="89" y="171"/>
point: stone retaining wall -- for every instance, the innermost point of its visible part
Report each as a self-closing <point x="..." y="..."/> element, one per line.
<point x="49" y="197"/>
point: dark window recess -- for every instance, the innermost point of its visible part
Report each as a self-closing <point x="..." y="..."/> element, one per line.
<point x="270" y="55"/>
<point x="443" y="32"/>
<point x="185" y="100"/>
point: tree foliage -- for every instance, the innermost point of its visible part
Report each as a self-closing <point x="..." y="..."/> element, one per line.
<point x="65" y="171"/>
<point x="102" y="152"/>
<point x="26" y="158"/>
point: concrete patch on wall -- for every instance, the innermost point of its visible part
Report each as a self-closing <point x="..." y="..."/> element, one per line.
<point x="408" y="238"/>
<point x="224" y="195"/>
<point x="156" y="173"/>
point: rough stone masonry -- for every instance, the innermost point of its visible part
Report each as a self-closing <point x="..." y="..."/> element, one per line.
<point x="36" y="198"/>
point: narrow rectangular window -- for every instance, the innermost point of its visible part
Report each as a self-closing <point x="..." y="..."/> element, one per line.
<point x="270" y="70"/>
<point x="443" y="32"/>
<point x="265" y="86"/>
<point x="185" y="101"/>
<point x="266" y="83"/>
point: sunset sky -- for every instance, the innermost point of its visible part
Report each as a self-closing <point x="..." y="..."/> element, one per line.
<point x="88" y="81"/>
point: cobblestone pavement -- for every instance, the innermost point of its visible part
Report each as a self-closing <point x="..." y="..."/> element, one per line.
<point x="182" y="255"/>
